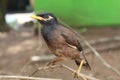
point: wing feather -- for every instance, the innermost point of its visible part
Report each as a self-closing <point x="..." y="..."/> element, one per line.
<point x="72" y="41"/>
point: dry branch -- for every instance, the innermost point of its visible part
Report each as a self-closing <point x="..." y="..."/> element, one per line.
<point x="104" y="40"/>
<point x="83" y="76"/>
<point x="104" y="48"/>
<point x="24" y="77"/>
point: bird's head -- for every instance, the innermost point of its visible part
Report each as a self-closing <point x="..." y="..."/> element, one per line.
<point x="45" y="18"/>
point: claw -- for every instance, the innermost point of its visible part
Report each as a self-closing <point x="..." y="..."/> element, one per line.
<point x="76" y="75"/>
<point x="49" y="65"/>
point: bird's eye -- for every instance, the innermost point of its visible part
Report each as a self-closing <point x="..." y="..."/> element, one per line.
<point x="46" y="16"/>
<point x="42" y="16"/>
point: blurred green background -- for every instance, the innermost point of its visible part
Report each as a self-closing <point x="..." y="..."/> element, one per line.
<point x="82" y="12"/>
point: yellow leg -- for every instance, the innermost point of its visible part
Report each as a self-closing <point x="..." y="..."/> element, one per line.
<point x="79" y="68"/>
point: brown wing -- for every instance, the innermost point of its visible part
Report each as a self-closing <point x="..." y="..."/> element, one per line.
<point x="71" y="40"/>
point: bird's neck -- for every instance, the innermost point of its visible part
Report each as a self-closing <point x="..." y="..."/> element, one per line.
<point x="49" y="28"/>
<point x="50" y="24"/>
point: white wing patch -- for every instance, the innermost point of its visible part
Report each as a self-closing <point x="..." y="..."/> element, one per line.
<point x="74" y="47"/>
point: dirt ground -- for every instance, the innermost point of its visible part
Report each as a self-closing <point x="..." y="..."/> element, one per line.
<point x="17" y="48"/>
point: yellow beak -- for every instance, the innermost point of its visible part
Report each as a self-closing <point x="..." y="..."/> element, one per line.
<point x="37" y="17"/>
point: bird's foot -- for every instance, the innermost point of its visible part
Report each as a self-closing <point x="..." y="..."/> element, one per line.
<point x="50" y="65"/>
<point x="76" y="74"/>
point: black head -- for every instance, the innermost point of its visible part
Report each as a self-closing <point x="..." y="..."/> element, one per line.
<point x="45" y="18"/>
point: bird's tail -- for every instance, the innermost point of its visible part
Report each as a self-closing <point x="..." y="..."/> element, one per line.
<point x="85" y="64"/>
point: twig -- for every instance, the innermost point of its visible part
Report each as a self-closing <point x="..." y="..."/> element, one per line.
<point x="80" y="74"/>
<point x="103" y="40"/>
<point x="68" y="68"/>
<point x="24" y="77"/>
<point x="104" y="48"/>
<point x="93" y="50"/>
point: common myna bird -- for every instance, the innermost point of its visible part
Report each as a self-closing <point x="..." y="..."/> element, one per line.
<point x="62" y="41"/>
